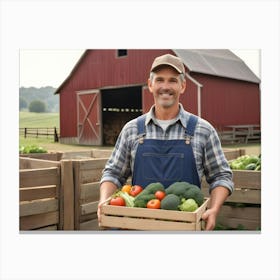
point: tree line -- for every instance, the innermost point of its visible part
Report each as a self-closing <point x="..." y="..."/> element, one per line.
<point x="38" y="100"/>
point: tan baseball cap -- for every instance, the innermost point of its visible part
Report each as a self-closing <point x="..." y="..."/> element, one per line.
<point x="171" y="60"/>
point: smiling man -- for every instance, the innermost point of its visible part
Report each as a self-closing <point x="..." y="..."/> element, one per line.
<point x="169" y="144"/>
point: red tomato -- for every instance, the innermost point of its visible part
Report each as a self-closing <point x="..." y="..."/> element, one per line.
<point x="117" y="201"/>
<point x="160" y="195"/>
<point x="135" y="190"/>
<point x="153" y="204"/>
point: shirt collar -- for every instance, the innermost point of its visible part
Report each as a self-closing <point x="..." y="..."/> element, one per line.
<point x="182" y="116"/>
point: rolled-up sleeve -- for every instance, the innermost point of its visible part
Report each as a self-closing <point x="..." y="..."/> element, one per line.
<point x="216" y="167"/>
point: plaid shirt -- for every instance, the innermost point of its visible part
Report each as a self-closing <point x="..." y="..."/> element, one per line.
<point x="209" y="157"/>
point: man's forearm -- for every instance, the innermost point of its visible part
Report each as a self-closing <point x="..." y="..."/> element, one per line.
<point x="218" y="197"/>
<point x="106" y="190"/>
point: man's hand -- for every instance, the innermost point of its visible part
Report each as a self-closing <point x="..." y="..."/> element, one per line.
<point x="106" y="190"/>
<point x="218" y="196"/>
<point x="209" y="216"/>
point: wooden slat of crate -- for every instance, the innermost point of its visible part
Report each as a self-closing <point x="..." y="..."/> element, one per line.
<point x="237" y="222"/>
<point x="88" y="217"/>
<point x="249" y="213"/>
<point x="39" y="177"/>
<point x="249" y="179"/>
<point x="90" y="225"/>
<point x="89" y="192"/>
<point x="101" y="153"/>
<point x="91" y="170"/>
<point x="52" y="227"/>
<point x="39" y="206"/>
<point x="77" y="155"/>
<point x="147" y="224"/>
<point x="67" y="205"/>
<point x="40" y="192"/>
<point x="45" y="156"/>
<point x="38" y="221"/>
<point x="233" y="153"/>
<point x="88" y="208"/>
<point x="240" y="195"/>
<point x="31" y="163"/>
<point x="245" y="196"/>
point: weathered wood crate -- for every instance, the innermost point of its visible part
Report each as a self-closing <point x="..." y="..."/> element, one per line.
<point x="242" y="210"/>
<point x="151" y="219"/>
<point x="39" y="194"/>
<point x="233" y="153"/>
<point x="87" y="174"/>
<point x="46" y="192"/>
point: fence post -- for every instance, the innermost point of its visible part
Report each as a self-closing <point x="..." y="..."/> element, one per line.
<point x="55" y="135"/>
<point x="25" y="132"/>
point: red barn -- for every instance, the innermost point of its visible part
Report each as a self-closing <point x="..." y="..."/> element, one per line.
<point x="106" y="88"/>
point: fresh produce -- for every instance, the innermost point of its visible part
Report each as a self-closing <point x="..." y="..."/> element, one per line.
<point x="186" y="190"/>
<point x="31" y="149"/>
<point x="178" y="196"/>
<point x="147" y="194"/>
<point x="170" y="202"/>
<point x="246" y="162"/>
<point x="196" y="194"/>
<point x="135" y="190"/>
<point x="117" y="201"/>
<point x="126" y="188"/>
<point x="178" y="188"/>
<point x="153" y="187"/>
<point x="153" y="204"/>
<point x="188" y="205"/>
<point x="129" y="200"/>
<point x="160" y="195"/>
<point x="142" y="199"/>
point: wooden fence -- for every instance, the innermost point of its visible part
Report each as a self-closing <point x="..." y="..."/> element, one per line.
<point x="41" y="131"/>
<point x="63" y="194"/>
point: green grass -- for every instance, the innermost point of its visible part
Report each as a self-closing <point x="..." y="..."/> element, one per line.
<point x="28" y="119"/>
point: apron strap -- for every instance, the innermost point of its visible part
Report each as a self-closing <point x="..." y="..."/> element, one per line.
<point x="141" y="128"/>
<point x="190" y="128"/>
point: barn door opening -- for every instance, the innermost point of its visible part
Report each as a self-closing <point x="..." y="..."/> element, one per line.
<point x="119" y="105"/>
<point x="89" y="123"/>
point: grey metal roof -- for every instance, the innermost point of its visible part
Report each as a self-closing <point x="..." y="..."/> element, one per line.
<point x="217" y="62"/>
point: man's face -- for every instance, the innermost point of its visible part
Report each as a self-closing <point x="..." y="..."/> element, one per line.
<point x="166" y="86"/>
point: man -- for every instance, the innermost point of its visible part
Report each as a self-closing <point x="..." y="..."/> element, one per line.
<point x="169" y="144"/>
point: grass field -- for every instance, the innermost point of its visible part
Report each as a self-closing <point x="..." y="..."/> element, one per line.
<point x="28" y="119"/>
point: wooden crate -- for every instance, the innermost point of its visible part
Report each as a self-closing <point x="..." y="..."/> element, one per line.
<point x="46" y="194"/>
<point x="243" y="208"/>
<point x="87" y="174"/>
<point x="39" y="194"/>
<point x="152" y="219"/>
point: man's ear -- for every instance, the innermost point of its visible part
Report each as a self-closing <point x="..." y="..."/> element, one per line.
<point x="184" y="85"/>
<point x="149" y="83"/>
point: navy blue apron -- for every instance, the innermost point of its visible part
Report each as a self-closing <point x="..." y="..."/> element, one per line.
<point x="165" y="161"/>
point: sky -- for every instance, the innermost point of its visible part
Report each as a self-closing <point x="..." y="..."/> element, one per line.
<point x="40" y="68"/>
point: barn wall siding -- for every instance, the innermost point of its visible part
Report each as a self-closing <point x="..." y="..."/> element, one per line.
<point x="229" y="102"/>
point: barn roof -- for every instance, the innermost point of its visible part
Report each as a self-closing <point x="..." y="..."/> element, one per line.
<point x="217" y="62"/>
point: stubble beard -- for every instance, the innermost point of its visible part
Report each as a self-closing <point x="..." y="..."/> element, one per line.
<point x="169" y="101"/>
